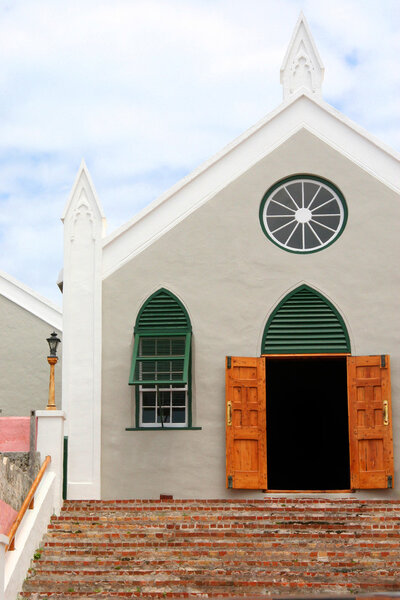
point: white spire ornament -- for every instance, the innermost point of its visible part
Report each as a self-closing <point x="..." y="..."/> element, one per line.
<point x="302" y="67"/>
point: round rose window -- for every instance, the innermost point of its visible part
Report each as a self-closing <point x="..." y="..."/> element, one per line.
<point x="303" y="214"/>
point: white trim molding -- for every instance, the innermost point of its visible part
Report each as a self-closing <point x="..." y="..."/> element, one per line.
<point x="81" y="387"/>
<point x="20" y="294"/>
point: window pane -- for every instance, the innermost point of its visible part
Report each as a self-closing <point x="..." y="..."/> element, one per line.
<point x="164" y="398"/>
<point x="178" y="346"/>
<point x="178" y="415"/>
<point x="178" y="398"/>
<point x="283" y="198"/>
<point x="147" y="346"/>
<point x="148" y="415"/>
<point x="149" y="399"/>
<point x="164" y="347"/>
<point x="163" y="414"/>
<point x="295" y="192"/>
<point x="310" y="189"/>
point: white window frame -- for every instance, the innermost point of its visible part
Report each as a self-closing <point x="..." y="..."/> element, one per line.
<point x="163" y="388"/>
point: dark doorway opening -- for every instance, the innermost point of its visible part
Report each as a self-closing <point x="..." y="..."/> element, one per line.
<point x="307" y="423"/>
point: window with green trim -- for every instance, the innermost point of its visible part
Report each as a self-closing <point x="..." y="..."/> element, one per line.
<point x="160" y="368"/>
<point x="303" y="213"/>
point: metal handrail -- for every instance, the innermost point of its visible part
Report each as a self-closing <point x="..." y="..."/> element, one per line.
<point x="28" y="503"/>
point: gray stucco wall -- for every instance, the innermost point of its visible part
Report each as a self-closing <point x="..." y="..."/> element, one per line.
<point x="16" y="476"/>
<point x="24" y="371"/>
<point x="230" y="277"/>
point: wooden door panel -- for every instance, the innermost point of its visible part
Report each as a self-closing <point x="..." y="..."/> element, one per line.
<point x="246" y="431"/>
<point x="371" y="444"/>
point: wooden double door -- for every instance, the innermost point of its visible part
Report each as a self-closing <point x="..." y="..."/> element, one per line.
<point x="308" y="422"/>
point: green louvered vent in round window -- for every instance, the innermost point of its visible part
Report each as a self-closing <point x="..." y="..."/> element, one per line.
<point x="303" y="323"/>
<point x="162" y="312"/>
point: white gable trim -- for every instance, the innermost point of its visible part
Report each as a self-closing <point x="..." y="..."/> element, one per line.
<point x="23" y="296"/>
<point x="300" y="112"/>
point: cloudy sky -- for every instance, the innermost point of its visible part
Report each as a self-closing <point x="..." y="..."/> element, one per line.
<point x="146" y="90"/>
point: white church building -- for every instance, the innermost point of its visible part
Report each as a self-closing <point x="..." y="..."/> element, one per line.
<point x="241" y="334"/>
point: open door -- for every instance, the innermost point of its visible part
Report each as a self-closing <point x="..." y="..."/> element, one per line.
<point x="246" y="431"/>
<point x="370" y="422"/>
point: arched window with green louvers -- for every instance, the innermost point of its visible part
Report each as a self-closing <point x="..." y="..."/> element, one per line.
<point x="161" y="362"/>
<point x="305" y="322"/>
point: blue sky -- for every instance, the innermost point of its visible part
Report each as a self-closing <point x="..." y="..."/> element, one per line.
<point x="147" y="90"/>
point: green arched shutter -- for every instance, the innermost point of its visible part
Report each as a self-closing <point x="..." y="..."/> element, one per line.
<point x="305" y="322"/>
<point x="162" y="312"/>
<point x="161" y="350"/>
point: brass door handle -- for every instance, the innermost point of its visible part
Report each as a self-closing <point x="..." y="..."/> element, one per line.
<point x="229" y="413"/>
<point x="385" y="412"/>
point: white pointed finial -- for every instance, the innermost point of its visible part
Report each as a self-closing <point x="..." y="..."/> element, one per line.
<point x="83" y="189"/>
<point x="302" y="66"/>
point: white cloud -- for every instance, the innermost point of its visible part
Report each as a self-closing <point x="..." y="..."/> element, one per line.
<point x="146" y="90"/>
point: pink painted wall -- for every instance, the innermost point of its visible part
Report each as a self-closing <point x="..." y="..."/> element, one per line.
<point x="7" y="517"/>
<point x="14" y="434"/>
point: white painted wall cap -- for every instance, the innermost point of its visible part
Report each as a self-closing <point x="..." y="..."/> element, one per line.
<point x="23" y="296"/>
<point x="50" y="414"/>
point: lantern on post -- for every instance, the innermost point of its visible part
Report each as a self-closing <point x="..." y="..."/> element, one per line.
<point x="52" y="359"/>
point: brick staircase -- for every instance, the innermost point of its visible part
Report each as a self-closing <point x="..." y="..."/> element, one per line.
<point x="216" y="548"/>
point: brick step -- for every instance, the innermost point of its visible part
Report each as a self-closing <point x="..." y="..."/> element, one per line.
<point x="219" y="549"/>
<point x="213" y="581"/>
<point x="196" y="526"/>
<point x="133" y="517"/>
<point x="81" y="506"/>
<point x="57" y="561"/>
<point x="214" y="534"/>
<point x="244" y="571"/>
<point x="263" y="507"/>
<point x="129" y="548"/>
<point x="345" y="590"/>
<point x="283" y="498"/>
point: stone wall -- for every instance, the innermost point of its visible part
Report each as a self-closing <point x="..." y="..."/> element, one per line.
<point x="17" y="474"/>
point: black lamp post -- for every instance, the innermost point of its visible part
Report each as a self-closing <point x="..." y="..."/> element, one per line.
<point x="52" y="359"/>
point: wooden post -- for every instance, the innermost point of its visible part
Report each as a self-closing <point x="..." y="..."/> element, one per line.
<point x="51" y="405"/>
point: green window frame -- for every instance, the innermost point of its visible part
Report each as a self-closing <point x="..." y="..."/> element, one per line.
<point x="161" y="363"/>
<point x="166" y="367"/>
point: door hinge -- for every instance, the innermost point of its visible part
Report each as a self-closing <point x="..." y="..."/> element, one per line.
<point x="230" y="482"/>
<point x="229" y="361"/>
<point x="383" y="361"/>
<point x="390" y="482"/>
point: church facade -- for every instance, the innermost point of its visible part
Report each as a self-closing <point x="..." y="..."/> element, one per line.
<point x="242" y="333"/>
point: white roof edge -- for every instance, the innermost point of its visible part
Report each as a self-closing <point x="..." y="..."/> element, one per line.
<point x="201" y="169"/>
<point x="373" y="139"/>
<point x="20" y="294"/>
